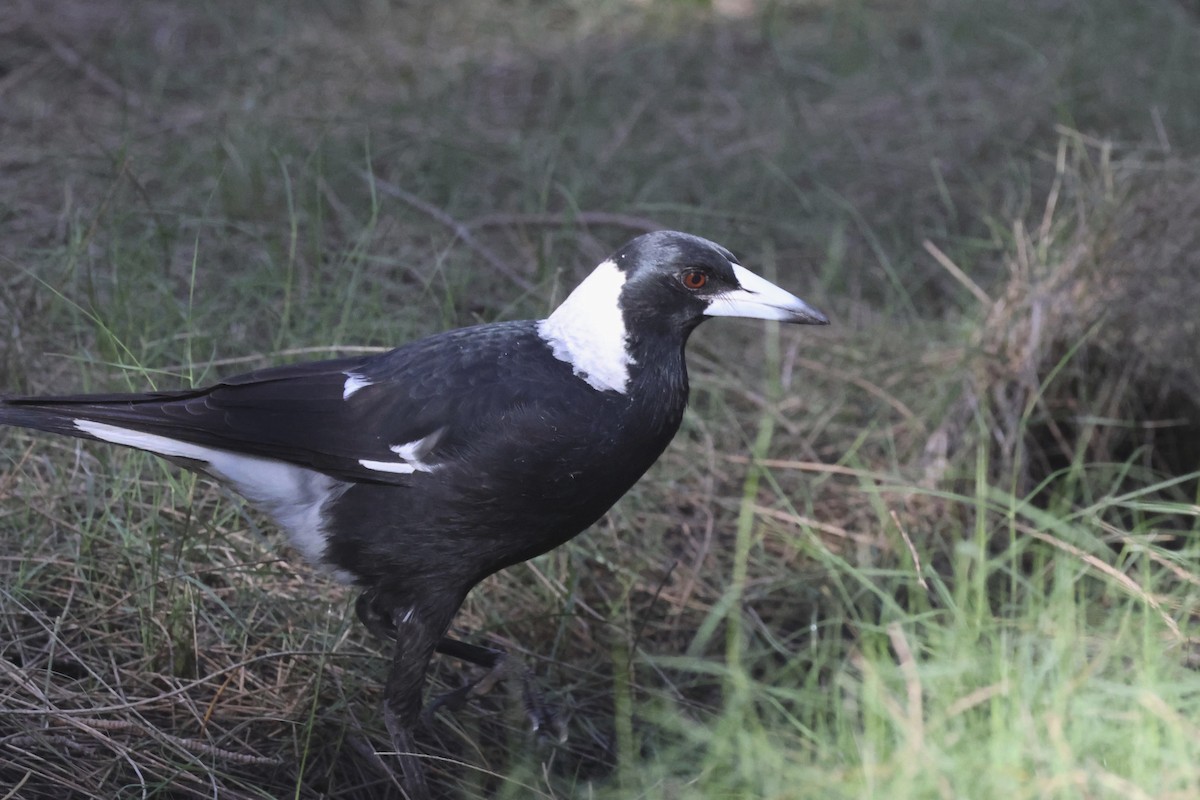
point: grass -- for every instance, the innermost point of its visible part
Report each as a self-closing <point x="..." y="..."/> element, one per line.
<point x="946" y="548"/>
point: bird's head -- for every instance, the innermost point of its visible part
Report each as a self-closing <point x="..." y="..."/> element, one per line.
<point x="682" y="280"/>
<point x="650" y="295"/>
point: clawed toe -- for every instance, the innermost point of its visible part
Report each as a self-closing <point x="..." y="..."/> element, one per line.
<point x="453" y="700"/>
<point x="545" y="721"/>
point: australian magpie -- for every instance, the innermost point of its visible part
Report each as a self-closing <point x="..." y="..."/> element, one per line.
<point x="418" y="472"/>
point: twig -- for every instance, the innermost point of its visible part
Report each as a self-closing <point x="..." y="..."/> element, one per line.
<point x="801" y="521"/>
<point x="180" y="689"/>
<point x="1129" y="584"/>
<point x="14" y="791"/>
<point x="69" y="56"/>
<point x="960" y="276"/>
<point x="193" y="745"/>
<point x="460" y="231"/>
<point x="912" y="550"/>
<point x="813" y="365"/>
<point x="812" y="466"/>
<point x="977" y="697"/>
<point x="22" y="73"/>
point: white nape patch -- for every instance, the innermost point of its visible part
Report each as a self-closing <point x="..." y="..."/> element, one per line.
<point x="410" y="455"/>
<point x="758" y="298"/>
<point x="588" y="330"/>
<point x="354" y="382"/>
<point x="295" y="497"/>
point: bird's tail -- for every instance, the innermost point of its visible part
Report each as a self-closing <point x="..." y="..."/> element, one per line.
<point x="70" y="415"/>
<point x="34" y="413"/>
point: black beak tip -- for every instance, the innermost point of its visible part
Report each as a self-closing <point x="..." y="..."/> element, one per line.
<point x="810" y="316"/>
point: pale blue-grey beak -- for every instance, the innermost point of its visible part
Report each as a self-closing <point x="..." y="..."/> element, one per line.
<point x="758" y="298"/>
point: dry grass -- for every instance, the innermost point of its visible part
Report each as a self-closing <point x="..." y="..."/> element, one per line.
<point x="1087" y="353"/>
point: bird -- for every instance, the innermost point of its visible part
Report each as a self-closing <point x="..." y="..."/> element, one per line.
<point x="418" y="472"/>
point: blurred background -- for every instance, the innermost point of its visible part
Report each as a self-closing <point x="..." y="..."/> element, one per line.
<point x="946" y="547"/>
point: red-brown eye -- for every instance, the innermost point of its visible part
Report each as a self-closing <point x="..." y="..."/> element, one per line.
<point x="694" y="279"/>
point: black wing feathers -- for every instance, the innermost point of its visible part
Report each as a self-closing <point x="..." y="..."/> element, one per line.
<point x="445" y="385"/>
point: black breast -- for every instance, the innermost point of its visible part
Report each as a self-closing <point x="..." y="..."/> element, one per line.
<point x="524" y="479"/>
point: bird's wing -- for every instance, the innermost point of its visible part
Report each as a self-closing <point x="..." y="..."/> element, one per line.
<point x="377" y="419"/>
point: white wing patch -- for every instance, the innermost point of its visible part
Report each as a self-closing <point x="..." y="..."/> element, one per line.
<point x="588" y="330"/>
<point x="294" y="496"/>
<point x="410" y="455"/>
<point x="353" y="383"/>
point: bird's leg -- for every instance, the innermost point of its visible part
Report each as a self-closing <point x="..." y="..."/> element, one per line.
<point x="500" y="666"/>
<point x="416" y="639"/>
<point x="416" y="629"/>
<point x="371" y="609"/>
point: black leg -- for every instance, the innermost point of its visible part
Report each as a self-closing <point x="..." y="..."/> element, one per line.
<point x="500" y="666"/>
<point x="416" y="638"/>
<point x="486" y="657"/>
<point x="418" y="633"/>
<point x="416" y="629"/>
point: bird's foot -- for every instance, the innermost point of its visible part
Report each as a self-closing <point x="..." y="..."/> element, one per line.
<point x="544" y="719"/>
<point x="543" y="716"/>
<point x="414" y="785"/>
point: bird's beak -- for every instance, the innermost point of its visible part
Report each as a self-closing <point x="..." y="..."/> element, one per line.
<point x="758" y="298"/>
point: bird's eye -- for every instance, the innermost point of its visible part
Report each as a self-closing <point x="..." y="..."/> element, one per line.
<point x="694" y="279"/>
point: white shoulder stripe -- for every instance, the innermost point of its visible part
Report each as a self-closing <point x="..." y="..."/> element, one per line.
<point x="410" y="455"/>
<point x="398" y="467"/>
<point x="353" y="383"/>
